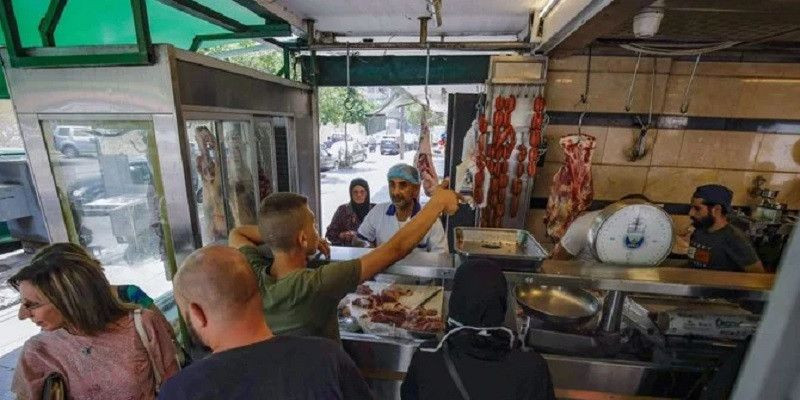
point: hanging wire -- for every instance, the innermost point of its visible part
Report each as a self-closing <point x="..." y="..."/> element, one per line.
<point x="633" y="82"/>
<point x="685" y="103"/>
<point x="427" y="75"/>
<point x="585" y="96"/>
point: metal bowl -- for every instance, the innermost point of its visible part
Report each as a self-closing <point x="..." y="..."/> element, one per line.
<point x="557" y="304"/>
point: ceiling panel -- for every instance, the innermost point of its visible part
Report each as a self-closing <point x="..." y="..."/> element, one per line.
<point x="400" y="17"/>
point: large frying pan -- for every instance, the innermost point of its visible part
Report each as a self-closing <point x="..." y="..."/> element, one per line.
<point x="559" y="305"/>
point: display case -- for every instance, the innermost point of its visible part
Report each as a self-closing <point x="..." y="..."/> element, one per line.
<point x="143" y="164"/>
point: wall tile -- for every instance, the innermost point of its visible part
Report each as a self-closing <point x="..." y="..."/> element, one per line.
<point x="736" y="150"/>
<point x="544" y="179"/>
<point x="619" y="143"/>
<point x="779" y="153"/>
<point x="607" y="93"/>
<point x="610" y="182"/>
<point x="740" y="182"/>
<point x="789" y="187"/>
<point x="667" y="147"/>
<point x="719" y="69"/>
<point x="708" y="96"/>
<point x="535" y="225"/>
<point x="554" y="132"/>
<point x="697" y="148"/>
<point x="676" y="185"/>
<point x="769" y="98"/>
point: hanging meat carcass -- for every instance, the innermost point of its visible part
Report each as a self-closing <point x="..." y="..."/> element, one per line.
<point x="571" y="190"/>
<point x="423" y="161"/>
<point x="208" y="168"/>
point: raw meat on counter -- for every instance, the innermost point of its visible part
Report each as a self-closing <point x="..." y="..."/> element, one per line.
<point x="395" y="309"/>
<point x="571" y="191"/>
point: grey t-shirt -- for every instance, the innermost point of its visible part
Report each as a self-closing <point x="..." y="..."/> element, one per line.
<point x="726" y="249"/>
<point x="284" y="367"/>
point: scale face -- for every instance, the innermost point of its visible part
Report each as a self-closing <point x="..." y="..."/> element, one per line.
<point x="632" y="234"/>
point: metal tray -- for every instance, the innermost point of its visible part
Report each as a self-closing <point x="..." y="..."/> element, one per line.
<point x="510" y="244"/>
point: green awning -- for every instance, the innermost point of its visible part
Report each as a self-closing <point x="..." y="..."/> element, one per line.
<point x="98" y="22"/>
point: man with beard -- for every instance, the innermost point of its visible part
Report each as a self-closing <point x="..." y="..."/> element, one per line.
<point x="219" y="299"/>
<point x="385" y="219"/>
<point x="715" y="243"/>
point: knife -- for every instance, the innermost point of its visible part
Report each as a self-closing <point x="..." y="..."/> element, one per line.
<point x="427" y="299"/>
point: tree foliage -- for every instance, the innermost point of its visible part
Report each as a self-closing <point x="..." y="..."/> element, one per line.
<point x="269" y="61"/>
<point x="333" y="109"/>
<point x="414" y="114"/>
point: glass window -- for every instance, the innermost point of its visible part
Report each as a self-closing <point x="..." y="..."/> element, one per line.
<point x="113" y="201"/>
<point x="207" y="180"/>
<point x="240" y="171"/>
<point x="266" y="166"/>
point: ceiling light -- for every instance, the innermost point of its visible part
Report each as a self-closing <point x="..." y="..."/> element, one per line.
<point x="647" y="22"/>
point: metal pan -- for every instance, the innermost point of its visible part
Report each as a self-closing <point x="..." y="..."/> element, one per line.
<point x="559" y="305"/>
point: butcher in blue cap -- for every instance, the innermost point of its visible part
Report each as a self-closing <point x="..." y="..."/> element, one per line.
<point x="385" y="219"/>
<point x="716" y="244"/>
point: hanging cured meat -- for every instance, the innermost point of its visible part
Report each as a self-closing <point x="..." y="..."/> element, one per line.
<point x="571" y="191"/>
<point x="423" y="161"/>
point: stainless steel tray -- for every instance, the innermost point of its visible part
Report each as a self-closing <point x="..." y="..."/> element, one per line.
<point x="513" y="244"/>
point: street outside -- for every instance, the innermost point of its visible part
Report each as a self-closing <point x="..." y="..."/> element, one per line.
<point x="334" y="184"/>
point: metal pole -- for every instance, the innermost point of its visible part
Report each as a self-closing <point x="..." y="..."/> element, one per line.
<point x="464" y="46"/>
<point x="423" y="29"/>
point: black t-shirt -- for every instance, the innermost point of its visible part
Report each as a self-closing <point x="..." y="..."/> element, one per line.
<point x="505" y="375"/>
<point x="726" y="249"/>
<point x="284" y="367"/>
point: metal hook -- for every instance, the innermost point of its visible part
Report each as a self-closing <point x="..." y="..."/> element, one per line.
<point x="633" y="83"/>
<point x="685" y="103"/>
<point x="580" y="124"/>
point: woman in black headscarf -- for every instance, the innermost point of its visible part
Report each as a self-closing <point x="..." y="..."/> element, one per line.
<point x="478" y="357"/>
<point x="349" y="216"/>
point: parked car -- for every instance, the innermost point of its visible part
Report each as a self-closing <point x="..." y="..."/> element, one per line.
<point x="73" y="141"/>
<point x="348" y="154"/>
<point x="86" y="190"/>
<point x="389" y="145"/>
<point x="327" y="161"/>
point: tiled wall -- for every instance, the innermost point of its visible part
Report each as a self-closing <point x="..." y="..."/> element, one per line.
<point x="678" y="160"/>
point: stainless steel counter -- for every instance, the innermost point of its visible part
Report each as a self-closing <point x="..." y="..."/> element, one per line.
<point x="384" y="361"/>
<point x="667" y="279"/>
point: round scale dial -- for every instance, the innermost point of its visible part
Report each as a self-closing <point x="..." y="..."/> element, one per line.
<point x="632" y="234"/>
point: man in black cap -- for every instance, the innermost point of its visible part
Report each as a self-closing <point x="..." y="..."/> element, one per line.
<point x="716" y="244"/>
<point x="478" y="358"/>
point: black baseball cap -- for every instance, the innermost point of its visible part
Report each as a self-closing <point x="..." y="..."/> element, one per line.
<point x="716" y="194"/>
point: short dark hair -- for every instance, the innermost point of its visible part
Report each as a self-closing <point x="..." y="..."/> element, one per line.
<point x="281" y="218"/>
<point x="76" y="287"/>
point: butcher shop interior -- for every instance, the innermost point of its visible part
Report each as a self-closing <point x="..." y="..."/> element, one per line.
<point x="632" y="167"/>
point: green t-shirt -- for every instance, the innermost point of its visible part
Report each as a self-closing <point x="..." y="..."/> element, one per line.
<point x="304" y="302"/>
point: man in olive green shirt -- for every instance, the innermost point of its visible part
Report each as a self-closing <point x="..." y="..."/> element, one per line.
<point x="302" y="301"/>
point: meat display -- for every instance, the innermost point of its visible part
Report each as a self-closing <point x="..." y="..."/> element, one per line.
<point x="571" y="191"/>
<point x="504" y="140"/>
<point x="423" y="161"/>
<point x="396" y="306"/>
<point x="507" y="163"/>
